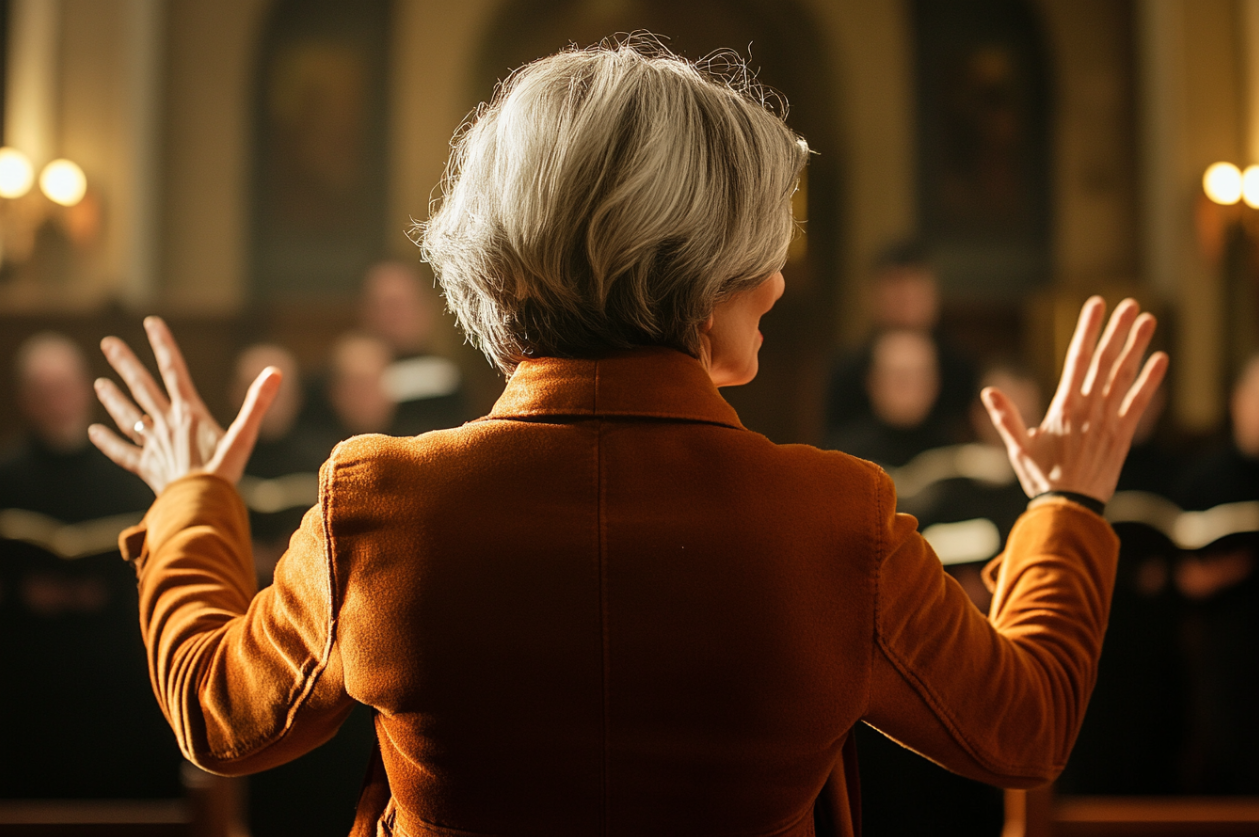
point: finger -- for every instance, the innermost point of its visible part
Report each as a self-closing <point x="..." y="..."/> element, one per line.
<point x="238" y="441"/>
<point x="120" y="408"/>
<point x="143" y="388"/>
<point x="1126" y="367"/>
<point x="171" y="364"/>
<point x="1101" y="368"/>
<point x="1079" y="353"/>
<point x="1005" y="417"/>
<point x="120" y="452"/>
<point x="1142" y="391"/>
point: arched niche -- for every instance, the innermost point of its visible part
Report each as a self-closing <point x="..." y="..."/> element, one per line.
<point x="785" y="49"/>
<point x="318" y="192"/>
<point x="983" y="157"/>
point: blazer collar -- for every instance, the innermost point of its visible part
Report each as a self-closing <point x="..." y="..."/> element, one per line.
<point x="649" y="382"/>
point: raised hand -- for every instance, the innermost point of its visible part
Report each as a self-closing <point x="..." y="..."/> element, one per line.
<point x="1081" y="444"/>
<point x="172" y="433"/>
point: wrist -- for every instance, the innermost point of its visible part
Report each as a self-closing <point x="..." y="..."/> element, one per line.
<point x="1089" y="502"/>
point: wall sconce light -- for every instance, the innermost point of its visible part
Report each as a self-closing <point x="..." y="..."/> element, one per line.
<point x="63" y="182"/>
<point x="16" y="173"/>
<point x="24" y="213"/>
<point x="1250" y="187"/>
<point x="1223" y="183"/>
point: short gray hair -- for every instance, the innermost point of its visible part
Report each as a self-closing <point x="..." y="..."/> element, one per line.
<point x="608" y="198"/>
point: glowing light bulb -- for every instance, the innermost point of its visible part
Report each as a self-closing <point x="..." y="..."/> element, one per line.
<point x="1250" y="186"/>
<point x="63" y="182"/>
<point x="1223" y="183"/>
<point x="16" y="174"/>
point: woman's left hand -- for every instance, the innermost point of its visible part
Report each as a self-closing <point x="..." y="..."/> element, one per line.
<point x="173" y="433"/>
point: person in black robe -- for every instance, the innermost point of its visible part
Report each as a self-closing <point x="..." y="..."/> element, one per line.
<point x="1152" y="465"/>
<point x="1133" y="737"/>
<point x="398" y="310"/>
<point x="316" y="794"/>
<point x="905" y="294"/>
<point x="1221" y="583"/>
<point x="281" y="478"/>
<point x="79" y="717"/>
<point x="943" y="802"/>
<point x="903" y="386"/>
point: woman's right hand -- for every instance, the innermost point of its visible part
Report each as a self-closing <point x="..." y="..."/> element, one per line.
<point x="1081" y="444"/>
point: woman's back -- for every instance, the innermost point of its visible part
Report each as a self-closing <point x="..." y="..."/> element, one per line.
<point x="609" y="602"/>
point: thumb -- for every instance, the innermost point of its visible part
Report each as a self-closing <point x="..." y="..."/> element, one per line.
<point x="238" y="442"/>
<point x="1005" y="417"/>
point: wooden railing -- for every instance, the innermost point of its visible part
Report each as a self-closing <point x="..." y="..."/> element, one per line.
<point x="1038" y="813"/>
<point x="213" y="806"/>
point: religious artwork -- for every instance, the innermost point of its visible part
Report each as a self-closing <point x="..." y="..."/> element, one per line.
<point x="983" y="142"/>
<point x="983" y="149"/>
<point x="319" y="190"/>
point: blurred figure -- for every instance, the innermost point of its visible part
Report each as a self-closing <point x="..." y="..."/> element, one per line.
<point x="1132" y="742"/>
<point x="902" y="386"/>
<point x="974" y="492"/>
<point x="282" y="416"/>
<point x="356" y="390"/>
<point x="1151" y="466"/>
<point x="1022" y="388"/>
<point x="316" y="794"/>
<point x="1000" y="501"/>
<point x="282" y="477"/>
<point x="1231" y="474"/>
<point x="1222" y="624"/>
<point x="54" y="393"/>
<point x="75" y="696"/>
<point x="905" y="295"/>
<point x="399" y="310"/>
<point x="396" y="308"/>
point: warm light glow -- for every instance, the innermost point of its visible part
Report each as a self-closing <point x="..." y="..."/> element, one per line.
<point x="1223" y="183"/>
<point x="1250" y="186"/>
<point x="16" y="174"/>
<point x="63" y="182"/>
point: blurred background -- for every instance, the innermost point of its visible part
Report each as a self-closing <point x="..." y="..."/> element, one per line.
<point x="250" y="169"/>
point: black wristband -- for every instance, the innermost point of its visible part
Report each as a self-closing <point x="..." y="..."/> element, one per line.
<point x="1091" y="503"/>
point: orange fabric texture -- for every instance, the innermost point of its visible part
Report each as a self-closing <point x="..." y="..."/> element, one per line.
<point x="608" y="608"/>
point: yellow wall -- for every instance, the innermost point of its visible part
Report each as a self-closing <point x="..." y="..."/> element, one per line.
<point x="209" y="78"/>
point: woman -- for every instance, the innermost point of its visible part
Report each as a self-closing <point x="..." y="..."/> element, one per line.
<point x="607" y="607"/>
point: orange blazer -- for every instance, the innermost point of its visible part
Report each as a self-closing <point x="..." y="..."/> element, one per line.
<point x="607" y="608"/>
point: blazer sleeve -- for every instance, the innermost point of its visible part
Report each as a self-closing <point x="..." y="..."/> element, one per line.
<point x="998" y="699"/>
<point x="247" y="680"/>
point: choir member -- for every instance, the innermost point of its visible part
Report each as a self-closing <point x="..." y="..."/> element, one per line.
<point x="397" y="309"/>
<point x="903" y="388"/>
<point x="79" y="719"/>
<point x="904" y="295"/>
<point x="1222" y="629"/>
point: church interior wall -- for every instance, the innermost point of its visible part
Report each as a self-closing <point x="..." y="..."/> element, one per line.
<point x="209" y="60"/>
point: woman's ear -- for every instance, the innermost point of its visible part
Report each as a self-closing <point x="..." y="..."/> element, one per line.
<point x="707" y="326"/>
